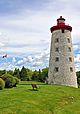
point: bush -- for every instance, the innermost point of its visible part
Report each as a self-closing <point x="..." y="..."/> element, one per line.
<point x="16" y="81"/>
<point x="2" y="84"/>
<point x="9" y="80"/>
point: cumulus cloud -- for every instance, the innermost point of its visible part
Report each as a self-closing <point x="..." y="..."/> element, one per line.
<point x="1" y="44"/>
<point x="13" y="59"/>
<point x="76" y="47"/>
<point x="77" y="58"/>
<point x="29" y="58"/>
<point x="25" y="29"/>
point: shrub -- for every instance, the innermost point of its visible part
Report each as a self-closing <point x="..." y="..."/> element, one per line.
<point x="9" y="80"/>
<point x="16" y="81"/>
<point x="2" y="84"/>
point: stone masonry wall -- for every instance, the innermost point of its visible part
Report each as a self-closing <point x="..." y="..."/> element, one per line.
<point x="65" y="65"/>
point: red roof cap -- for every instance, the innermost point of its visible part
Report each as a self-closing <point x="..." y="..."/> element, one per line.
<point x="61" y="25"/>
<point x="61" y="18"/>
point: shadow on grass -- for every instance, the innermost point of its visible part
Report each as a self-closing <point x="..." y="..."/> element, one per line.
<point x="33" y="83"/>
<point x="33" y="89"/>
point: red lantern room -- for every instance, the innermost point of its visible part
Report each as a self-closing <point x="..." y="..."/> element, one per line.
<point x="61" y="25"/>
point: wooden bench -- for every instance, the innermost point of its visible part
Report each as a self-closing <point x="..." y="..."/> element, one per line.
<point x="34" y="86"/>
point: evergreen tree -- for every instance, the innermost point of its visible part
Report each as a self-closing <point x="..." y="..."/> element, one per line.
<point x="16" y="73"/>
<point x="2" y="72"/>
<point x="78" y="77"/>
<point x="23" y="74"/>
<point x="44" y="74"/>
<point x="39" y="75"/>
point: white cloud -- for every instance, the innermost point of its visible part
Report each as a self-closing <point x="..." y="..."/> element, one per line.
<point x="20" y="62"/>
<point x="76" y="48"/>
<point x="32" y="29"/>
<point x="77" y="58"/>
<point x="77" y="67"/>
<point x="1" y="44"/>
<point x="13" y="59"/>
<point x="38" y="63"/>
<point x="29" y="59"/>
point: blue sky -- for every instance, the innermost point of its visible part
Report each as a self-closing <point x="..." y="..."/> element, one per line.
<point x="25" y="31"/>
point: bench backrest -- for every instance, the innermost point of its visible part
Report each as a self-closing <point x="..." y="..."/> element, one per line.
<point x="34" y="86"/>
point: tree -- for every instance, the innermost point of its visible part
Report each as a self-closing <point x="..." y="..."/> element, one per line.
<point x="29" y="74"/>
<point x="39" y="75"/>
<point x="78" y="77"/>
<point x="23" y="74"/>
<point x="16" y="73"/>
<point x="35" y="75"/>
<point x="44" y="74"/>
<point x="10" y="72"/>
<point x="2" y="72"/>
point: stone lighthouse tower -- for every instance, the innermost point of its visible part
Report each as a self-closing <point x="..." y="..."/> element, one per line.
<point x="61" y="63"/>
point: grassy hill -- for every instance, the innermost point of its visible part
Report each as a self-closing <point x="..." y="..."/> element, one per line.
<point x="49" y="99"/>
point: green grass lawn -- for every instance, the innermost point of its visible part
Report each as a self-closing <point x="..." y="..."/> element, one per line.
<point x="49" y="99"/>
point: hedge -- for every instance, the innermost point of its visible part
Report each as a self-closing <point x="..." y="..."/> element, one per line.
<point x="9" y="80"/>
<point x="2" y="84"/>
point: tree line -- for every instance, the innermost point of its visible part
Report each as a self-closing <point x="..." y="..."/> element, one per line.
<point x="26" y="74"/>
<point x="78" y="77"/>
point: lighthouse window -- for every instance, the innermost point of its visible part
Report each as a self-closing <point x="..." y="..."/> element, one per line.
<point x="62" y="31"/>
<point x="70" y="59"/>
<point x="68" y="40"/>
<point x="56" y="69"/>
<point x="71" y="69"/>
<point x="57" y="49"/>
<point x="57" y="59"/>
<point x="61" y="21"/>
<point x="56" y="40"/>
<point x="69" y="49"/>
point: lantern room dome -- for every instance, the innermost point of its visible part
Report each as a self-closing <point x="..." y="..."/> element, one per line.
<point x="61" y="25"/>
